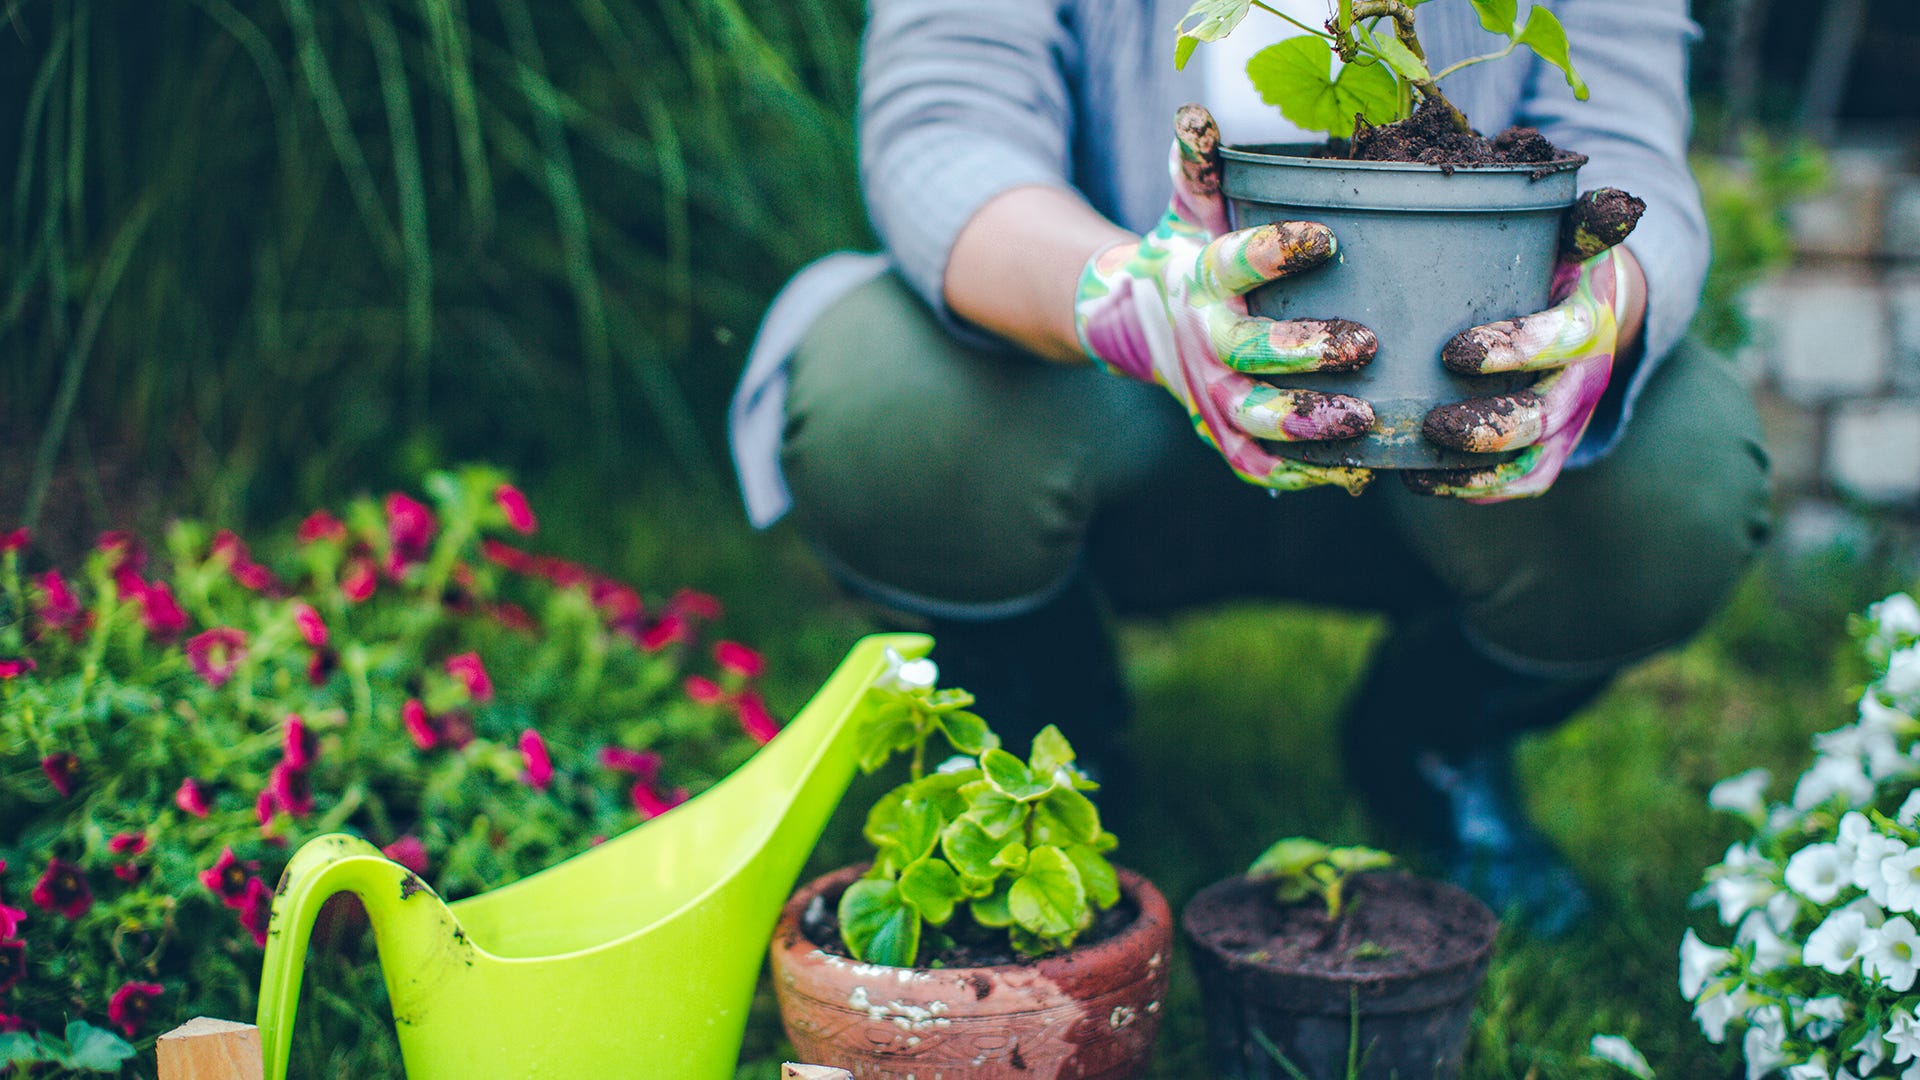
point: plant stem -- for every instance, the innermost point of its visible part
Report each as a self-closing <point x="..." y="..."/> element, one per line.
<point x="1276" y="11"/>
<point x="1402" y="16"/>
<point x="1472" y="60"/>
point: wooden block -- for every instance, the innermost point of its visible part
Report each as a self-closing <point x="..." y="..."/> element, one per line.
<point x="790" y="1071"/>
<point x="207" y="1049"/>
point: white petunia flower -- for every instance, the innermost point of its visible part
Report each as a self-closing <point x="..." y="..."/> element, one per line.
<point x="906" y="675"/>
<point x="1844" y="777"/>
<point x="1872" y="1049"/>
<point x="1717" y="1007"/>
<point x="1822" y="1017"/>
<point x="1817" y="873"/>
<point x="1902" y="874"/>
<point x="1902" y="679"/>
<point x="1909" y="812"/>
<point x="1837" y="942"/>
<point x="1903" y="1035"/>
<point x="1740" y="883"/>
<point x="1699" y="962"/>
<point x="1814" y="1068"/>
<point x="1873" y="852"/>
<point x="1742" y="794"/>
<point x="1782" y="908"/>
<point x="1618" y="1050"/>
<point x="1782" y="816"/>
<point x="1877" y="715"/>
<point x="1890" y="954"/>
<point x="1896" y="615"/>
<point x="1866" y="909"/>
<point x="1770" y="950"/>
<point x="1764" y="1045"/>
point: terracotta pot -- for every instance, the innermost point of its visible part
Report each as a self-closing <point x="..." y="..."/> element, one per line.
<point x="1409" y="1024"/>
<point x="1091" y="1012"/>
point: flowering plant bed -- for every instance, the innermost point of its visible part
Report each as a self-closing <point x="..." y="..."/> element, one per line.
<point x="1818" y="978"/>
<point x="169" y="735"/>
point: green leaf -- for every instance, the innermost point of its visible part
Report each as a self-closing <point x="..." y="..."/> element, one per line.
<point x="891" y="728"/>
<point x="970" y="848"/>
<point x="1012" y="858"/>
<point x="1211" y="20"/>
<point x="904" y="828"/>
<point x="994" y="811"/>
<point x="1352" y="860"/>
<point x="942" y="791"/>
<point x="1544" y="35"/>
<point x="1397" y="56"/>
<point x="20" y="1048"/>
<point x="993" y="909"/>
<point x="94" y="1049"/>
<point x="1498" y="16"/>
<point x="1097" y="874"/>
<point x="1064" y="816"/>
<point x="1011" y="777"/>
<point x="1049" y="899"/>
<point x="1296" y="76"/>
<point x="968" y="733"/>
<point x="932" y="888"/>
<point x="877" y="925"/>
<point x="1288" y="858"/>
<point x="1050" y="751"/>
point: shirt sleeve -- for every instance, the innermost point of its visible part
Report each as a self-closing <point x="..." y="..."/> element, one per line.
<point x="960" y="100"/>
<point x="1634" y="129"/>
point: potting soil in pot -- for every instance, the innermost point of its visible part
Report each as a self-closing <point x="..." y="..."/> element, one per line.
<point x="1429" y="137"/>
<point x="1393" y="926"/>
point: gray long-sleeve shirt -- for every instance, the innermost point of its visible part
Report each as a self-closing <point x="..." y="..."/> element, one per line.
<point x="964" y="99"/>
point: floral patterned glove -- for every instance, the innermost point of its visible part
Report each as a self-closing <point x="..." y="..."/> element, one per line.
<point x="1574" y="341"/>
<point x="1171" y="310"/>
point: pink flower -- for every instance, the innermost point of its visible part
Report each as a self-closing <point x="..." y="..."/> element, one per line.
<point x="217" y="653"/>
<point x="359" y="579"/>
<point x="618" y="602"/>
<point x="739" y="659"/>
<point x="58" y="608"/>
<point x="651" y="803"/>
<point x="533" y="749"/>
<point x="704" y="690"/>
<point x="419" y="726"/>
<point x="519" y="515"/>
<point x="321" y="525"/>
<point x="310" y="624"/>
<point x="63" y="771"/>
<point x="10" y="920"/>
<point x="256" y="910"/>
<point x="10" y="669"/>
<point x="696" y="605"/>
<point x="321" y="666"/>
<point x="409" y="852"/>
<point x="130" y="1006"/>
<point x="191" y="798"/>
<point x="299" y="746"/>
<point x="128" y="843"/>
<point x="227" y="878"/>
<point x="669" y="629"/>
<point x="13" y="965"/>
<point x="15" y="540"/>
<point x="644" y="764"/>
<point x="160" y="612"/>
<point x="63" y="889"/>
<point x="755" y="720"/>
<point x="290" y="790"/>
<point x="230" y="549"/>
<point x="129" y="560"/>
<point x="512" y="616"/>
<point x="410" y="526"/>
<point x="11" y="1021"/>
<point x="467" y="668"/>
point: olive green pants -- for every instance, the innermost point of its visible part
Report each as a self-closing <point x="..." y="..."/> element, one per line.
<point x="955" y="482"/>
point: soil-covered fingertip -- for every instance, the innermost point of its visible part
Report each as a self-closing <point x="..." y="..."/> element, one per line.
<point x="1597" y="221"/>
<point x="1349" y="347"/>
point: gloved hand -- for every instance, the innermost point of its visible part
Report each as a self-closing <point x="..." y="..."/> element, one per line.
<point x="1171" y="310"/>
<point x="1574" y="341"/>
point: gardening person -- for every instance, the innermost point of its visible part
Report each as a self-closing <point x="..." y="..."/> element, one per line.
<point x="991" y="427"/>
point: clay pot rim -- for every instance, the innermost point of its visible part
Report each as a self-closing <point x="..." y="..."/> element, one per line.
<point x="1137" y="936"/>
<point x="1234" y="961"/>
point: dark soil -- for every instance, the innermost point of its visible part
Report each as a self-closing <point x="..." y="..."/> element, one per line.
<point x="973" y="945"/>
<point x="1395" y="924"/>
<point x="1430" y="138"/>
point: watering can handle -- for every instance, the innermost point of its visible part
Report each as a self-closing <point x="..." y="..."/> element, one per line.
<point x="409" y="921"/>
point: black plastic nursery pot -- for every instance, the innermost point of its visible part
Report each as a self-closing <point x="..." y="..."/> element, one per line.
<point x="1425" y="251"/>
<point x="1394" y="1020"/>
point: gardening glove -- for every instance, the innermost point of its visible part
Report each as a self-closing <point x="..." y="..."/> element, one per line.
<point x="1171" y="310"/>
<point x="1573" y="342"/>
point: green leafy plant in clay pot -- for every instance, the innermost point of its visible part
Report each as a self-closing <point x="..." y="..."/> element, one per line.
<point x="1326" y="963"/>
<point x="1439" y="229"/>
<point x="989" y="937"/>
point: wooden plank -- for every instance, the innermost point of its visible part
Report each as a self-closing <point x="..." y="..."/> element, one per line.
<point x="207" y="1049"/>
<point x="790" y="1071"/>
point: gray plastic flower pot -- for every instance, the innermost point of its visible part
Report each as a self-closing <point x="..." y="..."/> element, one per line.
<point x="1425" y="253"/>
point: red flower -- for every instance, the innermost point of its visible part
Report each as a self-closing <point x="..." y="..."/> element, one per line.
<point x="704" y="690"/>
<point x="519" y="515"/>
<point x="58" y="609"/>
<point x="739" y="659"/>
<point x="311" y="627"/>
<point x="10" y="920"/>
<point x="409" y="852"/>
<point x="644" y="764"/>
<point x="13" y="964"/>
<point x="15" y="540"/>
<point x="419" y="726"/>
<point x="467" y="668"/>
<point x="63" y="771"/>
<point x="13" y="668"/>
<point x="191" y="798"/>
<point x="299" y="746"/>
<point x="160" y="612"/>
<point x="697" y="605"/>
<point x="359" y="580"/>
<point x="669" y="629"/>
<point x="755" y="720"/>
<point x="63" y="889"/>
<point x="533" y="749"/>
<point x="227" y="878"/>
<point x="216" y="653"/>
<point x="130" y="1005"/>
<point x="410" y="526"/>
<point x="230" y="549"/>
<point x="256" y="910"/>
<point x="651" y="803"/>
<point x="618" y="602"/>
<point x="320" y="525"/>
<point x="289" y="790"/>
<point x="128" y="843"/>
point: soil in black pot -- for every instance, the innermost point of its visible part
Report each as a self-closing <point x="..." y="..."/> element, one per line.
<point x="1430" y="138"/>
<point x="1394" y="925"/>
<point x="972" y="945"/>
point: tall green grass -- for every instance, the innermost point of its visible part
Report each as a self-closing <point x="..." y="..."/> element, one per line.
<point x="280" y="247"/>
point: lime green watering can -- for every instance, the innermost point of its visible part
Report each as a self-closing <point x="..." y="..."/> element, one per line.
<point x="636" y="958"/>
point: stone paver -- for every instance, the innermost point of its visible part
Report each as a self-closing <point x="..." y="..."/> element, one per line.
<point x="1826" y="334"/>
<point x="1873" y="450"/>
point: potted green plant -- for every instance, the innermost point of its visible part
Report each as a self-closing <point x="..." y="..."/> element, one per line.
<point x="989" y="936"/>
<point x="1325" y="963"/>
<point x="1439" y="227"/>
